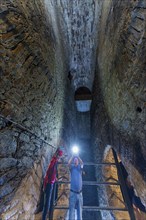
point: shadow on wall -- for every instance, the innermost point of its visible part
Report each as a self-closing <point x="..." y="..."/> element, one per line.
<point x="138" y="207"/>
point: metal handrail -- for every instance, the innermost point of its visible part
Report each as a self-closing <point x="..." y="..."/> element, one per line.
<point x="123" y="187"/>
<point x="96" y="208"/>
<point x="128" y="206"/>
<point x="25" y="129"/>
<point x="92" y="164"/>
<point x="91" y="183"/>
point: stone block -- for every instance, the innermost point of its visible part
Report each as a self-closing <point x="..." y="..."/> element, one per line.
<point x="7" y="163"/>
<point x="8" y="144"/>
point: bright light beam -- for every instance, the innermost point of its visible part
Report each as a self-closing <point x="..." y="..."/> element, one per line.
<point x="75" y="150"/>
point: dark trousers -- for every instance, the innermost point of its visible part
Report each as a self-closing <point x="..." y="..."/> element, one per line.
<point x="47" y="200"/>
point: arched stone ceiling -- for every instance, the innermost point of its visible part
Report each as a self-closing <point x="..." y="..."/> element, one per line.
<point x="81" y="18"/>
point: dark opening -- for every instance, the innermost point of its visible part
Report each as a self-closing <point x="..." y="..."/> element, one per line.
<point x="70" y="76"/>
<point x="138" y="109"/>
<point x="83" y="93"/>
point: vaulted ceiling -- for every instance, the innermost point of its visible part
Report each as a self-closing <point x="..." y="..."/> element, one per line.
<point x="79" y="19"/>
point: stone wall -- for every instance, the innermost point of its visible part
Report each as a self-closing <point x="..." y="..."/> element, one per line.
<point x="36" y="100"/>
<point x="80" y="18"/>
<point x="119" y="103"/>
<point x="33" y="80"/>
<point x="83" y="126"/>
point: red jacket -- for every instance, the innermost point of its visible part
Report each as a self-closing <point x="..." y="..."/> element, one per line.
<point x="51" y="172"/>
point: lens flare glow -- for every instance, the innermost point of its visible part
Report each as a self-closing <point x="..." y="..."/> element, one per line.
<point x="75" y="150"/>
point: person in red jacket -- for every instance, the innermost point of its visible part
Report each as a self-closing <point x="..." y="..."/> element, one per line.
<point x="49" y="180"/>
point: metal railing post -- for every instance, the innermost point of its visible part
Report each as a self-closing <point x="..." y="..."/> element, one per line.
<point x="124" y="187"/>
<point x="52" y="203"/>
